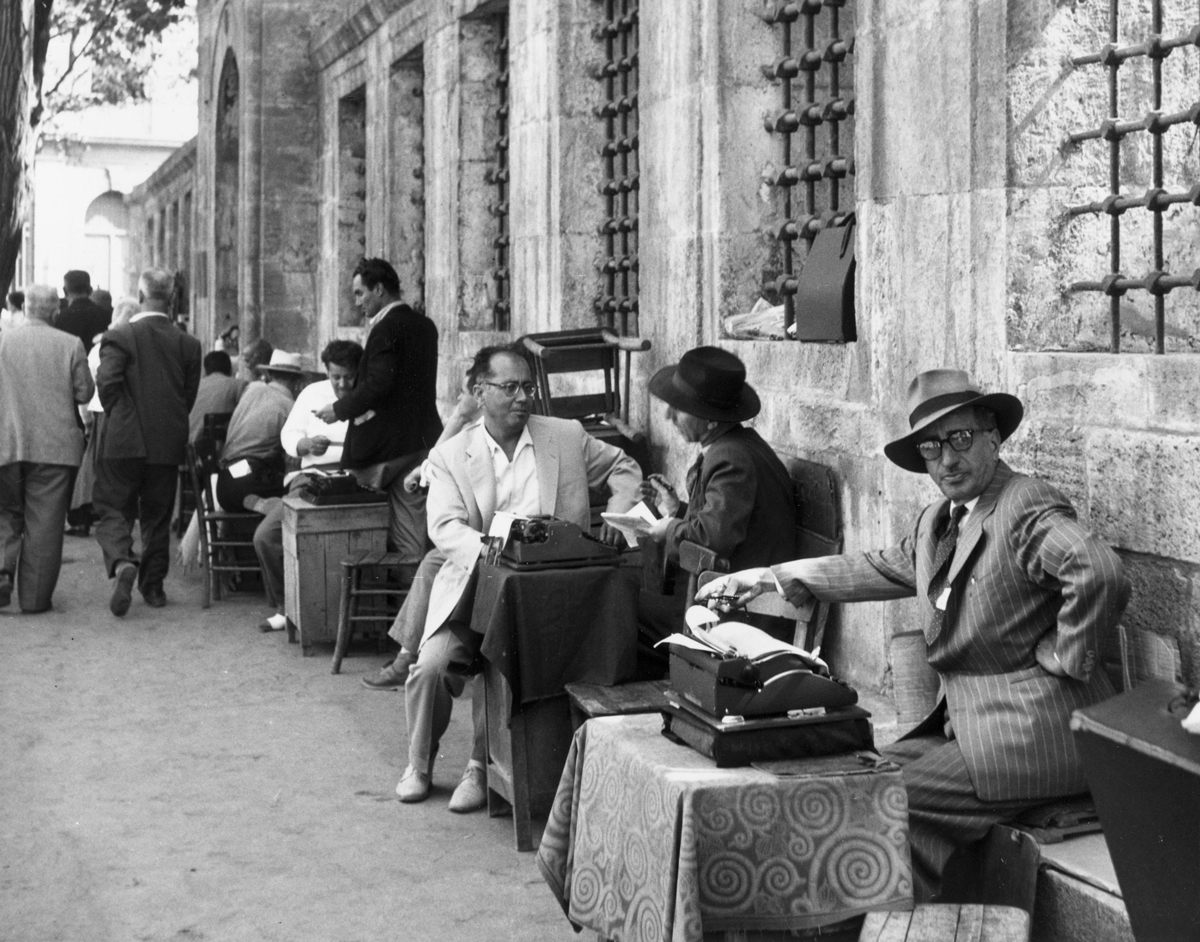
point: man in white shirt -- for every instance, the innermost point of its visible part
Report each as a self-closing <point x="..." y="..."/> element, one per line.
<point x="317" y="444"/>
<point x="511" y="461"/>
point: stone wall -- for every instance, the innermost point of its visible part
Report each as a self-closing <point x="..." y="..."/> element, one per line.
<point x="966" y="252"/>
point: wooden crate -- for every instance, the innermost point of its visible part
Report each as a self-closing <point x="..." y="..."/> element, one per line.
<point x="315" y="541"/>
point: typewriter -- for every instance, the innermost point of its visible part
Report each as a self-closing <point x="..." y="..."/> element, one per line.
<point x="549" y="543"/>
<point x="338" y="487"/>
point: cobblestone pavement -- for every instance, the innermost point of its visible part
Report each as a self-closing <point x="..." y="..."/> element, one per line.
<point x="177" y="775"/>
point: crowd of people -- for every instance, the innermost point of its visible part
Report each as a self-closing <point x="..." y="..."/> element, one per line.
<point x="1018" y="594"/>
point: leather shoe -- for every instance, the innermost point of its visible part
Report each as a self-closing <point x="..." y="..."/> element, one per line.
<point x="79" y="530"/>
<point x="413" y="786"/>
<point x="155" y="596"/>
<point x="122" y="593"/>
<point x="393" y="676"/>
<point x="5" y="588"/>
<point x="470" y="793"/>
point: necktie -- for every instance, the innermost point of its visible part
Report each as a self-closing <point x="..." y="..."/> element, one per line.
<point x="942" y="555"/>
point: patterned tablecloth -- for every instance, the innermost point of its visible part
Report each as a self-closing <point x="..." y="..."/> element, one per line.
<point x="648" y="840"/>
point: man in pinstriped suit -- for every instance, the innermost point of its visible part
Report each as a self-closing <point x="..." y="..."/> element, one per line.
<point x="1017" y="611"/>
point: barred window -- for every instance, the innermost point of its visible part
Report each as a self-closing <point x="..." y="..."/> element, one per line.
<point x="616" y="302"/>
<point x="1153" y="200"/>
<point x="814" y="128"/>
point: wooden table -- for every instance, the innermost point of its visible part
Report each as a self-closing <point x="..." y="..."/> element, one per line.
<point x="315" y="541"/>
<point x="648" y="839"/>
<point x="543" y="629"/>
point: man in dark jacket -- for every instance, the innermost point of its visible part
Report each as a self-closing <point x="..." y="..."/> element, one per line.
<point x="147" y="381"/>
<point x="392" y="409"/>
<point x="82" y="316"/>
<point x="740" y="498"/>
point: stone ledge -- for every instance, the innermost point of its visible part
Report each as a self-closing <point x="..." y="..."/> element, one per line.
<point x="1078" y="898"/>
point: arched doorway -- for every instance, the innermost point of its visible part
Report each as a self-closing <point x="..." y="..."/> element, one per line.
<point x="105" y="230"/>
<point x="226" y="201"/>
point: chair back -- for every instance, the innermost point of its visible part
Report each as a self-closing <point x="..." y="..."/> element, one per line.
<point x="590" y="350"/>
<point x="216" y="426"/>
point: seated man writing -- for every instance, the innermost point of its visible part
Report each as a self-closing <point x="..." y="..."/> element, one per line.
<point x="252" y="460"/>
<point x="511" y="461"/>
<point x="318" y="445"/>
<point x="740" y="498"/>
<point x="1018" y="596"/>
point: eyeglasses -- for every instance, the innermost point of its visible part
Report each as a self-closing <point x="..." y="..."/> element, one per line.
<point x="510" y="388"/>
<point x="961" y="439"/>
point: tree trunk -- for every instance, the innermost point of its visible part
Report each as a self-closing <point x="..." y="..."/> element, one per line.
<point x="23" y="37"/>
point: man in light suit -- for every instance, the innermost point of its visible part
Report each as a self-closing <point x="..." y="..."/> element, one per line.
<point x="43" y="379"/>
<point x="147" y="381"/>
<point x="1020" y="598"/>
<point x="513" y="461"/>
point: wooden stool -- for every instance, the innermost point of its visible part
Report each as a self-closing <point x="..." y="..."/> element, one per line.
<point x="591" y="700"/>
<point x="367" y="597"/>
<point x="948" y="922"/>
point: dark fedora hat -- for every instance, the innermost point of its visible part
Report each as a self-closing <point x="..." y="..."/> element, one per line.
<point x="936" y="393"/>
<point x="708" y="383"/>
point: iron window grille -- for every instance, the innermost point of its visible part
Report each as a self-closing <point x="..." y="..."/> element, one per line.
<point x="1156" y="200"/>
<point x="497" y="176"/>
<point x="616" y="303"/>
<point x="815" y="127"/>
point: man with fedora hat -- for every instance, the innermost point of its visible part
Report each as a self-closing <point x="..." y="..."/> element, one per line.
<point x="147" y="380"/>
<point x="252" y="459"/>
<point x="740" y="500"/>
<point x="1018" y="599"/>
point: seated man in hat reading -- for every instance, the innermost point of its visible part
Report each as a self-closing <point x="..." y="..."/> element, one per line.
<point x="1018" y="596"/>
<point x="252" y="461"/>
<point x="740" y="500"/>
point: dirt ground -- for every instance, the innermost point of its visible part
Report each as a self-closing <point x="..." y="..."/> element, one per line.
<point x="177" y="775"/>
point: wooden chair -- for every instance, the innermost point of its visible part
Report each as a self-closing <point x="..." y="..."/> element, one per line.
<point x="226" y="537"/>
<point x="371" y="597"/>
<point x="603" y="408"/>
<point x="216" y="424"/>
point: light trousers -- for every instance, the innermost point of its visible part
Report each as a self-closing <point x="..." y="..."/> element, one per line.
<point x="34" y="499"/>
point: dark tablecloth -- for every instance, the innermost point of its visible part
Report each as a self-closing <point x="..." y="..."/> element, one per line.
<point x="546" y="628"/>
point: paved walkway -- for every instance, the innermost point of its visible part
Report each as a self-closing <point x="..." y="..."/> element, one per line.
<point x="176" y="775"/>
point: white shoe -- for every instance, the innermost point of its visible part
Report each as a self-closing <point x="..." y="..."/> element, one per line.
<point x="413" y="786"/>
<point x="471" y="792"/>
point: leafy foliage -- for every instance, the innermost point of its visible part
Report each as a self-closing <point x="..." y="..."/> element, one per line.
<point x="101" y="51"/>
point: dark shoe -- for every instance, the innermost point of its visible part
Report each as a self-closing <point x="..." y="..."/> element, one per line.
<point x="155" y="596"/>
<point x="5" y="588"/>
<point x="123" y="591"/>
<point x="80" y="530"/>
<point x="393" y="676"/>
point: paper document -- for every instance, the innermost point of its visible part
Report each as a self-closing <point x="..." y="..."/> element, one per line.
<point x="501" y="527"/>
<point x="735" y="639"/>
<point x="632" y="523"/>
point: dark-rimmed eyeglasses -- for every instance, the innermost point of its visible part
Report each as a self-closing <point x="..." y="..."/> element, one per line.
<point x="961" y="439"/>
<point x="510" y="388"/>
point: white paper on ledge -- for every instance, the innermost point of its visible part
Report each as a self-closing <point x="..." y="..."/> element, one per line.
<point x="1191" y="722"/>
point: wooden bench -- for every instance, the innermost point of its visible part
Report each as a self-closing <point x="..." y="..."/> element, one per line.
<point x="948" y="922"/>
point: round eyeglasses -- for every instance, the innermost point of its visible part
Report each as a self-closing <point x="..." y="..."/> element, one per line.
<point x="510" y="388"/>
<point x="961" y="439"/>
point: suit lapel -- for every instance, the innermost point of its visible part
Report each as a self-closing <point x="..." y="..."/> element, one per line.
<point x="545" y="457"/>
<point x="972" y="529"/>
<point x="481" y="475"/>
